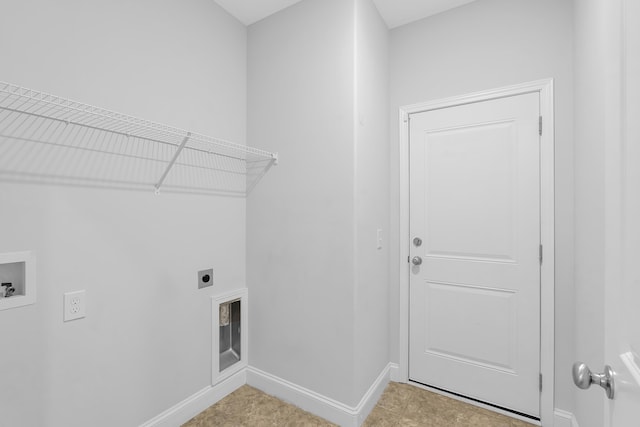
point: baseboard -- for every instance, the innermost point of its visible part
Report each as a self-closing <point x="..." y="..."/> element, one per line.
<point x="371" y="397"/>
<point x="193" y="405"/>
<point x="394" y="373"/>
<point x="564" y="419"/>
<point x="317" y="404"/>
<point x="322" y="406"/>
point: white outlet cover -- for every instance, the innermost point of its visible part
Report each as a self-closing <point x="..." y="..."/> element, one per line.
<point x="74" y="305"/>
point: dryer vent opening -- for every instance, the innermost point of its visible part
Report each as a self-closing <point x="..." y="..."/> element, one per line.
<point x="229" y="334"/>
<point x="230" y="343"/>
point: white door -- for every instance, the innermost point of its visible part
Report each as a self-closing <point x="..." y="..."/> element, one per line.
<point x="474" y="325"/>
<point x="622" y="257"/>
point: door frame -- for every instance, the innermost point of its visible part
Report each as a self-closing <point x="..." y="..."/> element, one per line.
<point x="547" y="226"/>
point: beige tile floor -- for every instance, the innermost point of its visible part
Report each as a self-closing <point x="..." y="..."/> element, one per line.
<point x="400" y="405"/>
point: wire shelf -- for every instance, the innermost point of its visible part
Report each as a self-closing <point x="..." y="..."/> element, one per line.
<point x="49" y="139"/>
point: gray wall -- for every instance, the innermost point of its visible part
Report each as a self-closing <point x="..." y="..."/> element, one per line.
<point x="145" y="344"/>
<point x="300" y="219"/>
<point x="483" y="45"/>
<point x="318" y="94"/>
<point x="372" y="196"/>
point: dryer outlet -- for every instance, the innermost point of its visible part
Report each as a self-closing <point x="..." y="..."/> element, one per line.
<point x="205" y="278"/>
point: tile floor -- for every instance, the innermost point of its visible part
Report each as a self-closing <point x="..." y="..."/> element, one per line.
<point x="407" y="405"/>
<point x="400" y="405"/>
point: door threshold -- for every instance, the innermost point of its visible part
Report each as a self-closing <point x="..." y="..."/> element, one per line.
<point x="479" y="403"/>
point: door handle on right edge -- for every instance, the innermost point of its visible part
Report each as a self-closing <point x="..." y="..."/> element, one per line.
<point x="583" y="378"/>
<point x="416" y="260"/>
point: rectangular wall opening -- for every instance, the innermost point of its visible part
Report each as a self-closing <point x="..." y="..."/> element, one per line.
<point x="229" y="352"/>
<point x="12" y="279"/>
<point x="17" y="280"/>
<point x="230" y="346"/>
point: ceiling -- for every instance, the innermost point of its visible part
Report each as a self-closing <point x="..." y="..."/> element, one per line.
<point x="394" y="12"/>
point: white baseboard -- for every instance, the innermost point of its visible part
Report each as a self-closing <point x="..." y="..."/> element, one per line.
<point x="371" y="397"/>
<point x="564" y="419"/>
<point x="317" y="404"/>
<point x="394" y="373"/>
<point x="193" y="405"/>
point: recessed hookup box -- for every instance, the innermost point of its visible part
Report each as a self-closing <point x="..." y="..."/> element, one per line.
<point x="229" y="352"/>
<point x="17" y="279"/>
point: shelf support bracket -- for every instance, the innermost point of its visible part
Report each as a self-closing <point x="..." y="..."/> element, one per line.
<point x="171" y="163"/>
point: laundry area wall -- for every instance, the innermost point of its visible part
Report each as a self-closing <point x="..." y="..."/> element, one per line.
<point x="145" y="343"/>
<point x="318" y="93"/>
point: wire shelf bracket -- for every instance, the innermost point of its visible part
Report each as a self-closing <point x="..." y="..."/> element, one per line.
<point x="48" y="139"/>
<point x="171" y="163"/>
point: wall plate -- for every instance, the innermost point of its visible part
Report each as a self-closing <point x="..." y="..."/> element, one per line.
<point x="205" y="278"/>
<point x="74" y="305"/>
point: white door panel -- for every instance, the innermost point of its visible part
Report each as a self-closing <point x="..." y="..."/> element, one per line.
<point x="622" y="266"/>
<point x="459" y="182"/>
<point x="465" y="336"/>
<point x="475" y="203"/>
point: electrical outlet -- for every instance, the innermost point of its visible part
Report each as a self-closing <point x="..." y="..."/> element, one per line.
<point x="74" y="305"/>
<point x="205" y="278"/>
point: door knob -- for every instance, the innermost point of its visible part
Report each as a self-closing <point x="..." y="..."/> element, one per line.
<point x="583" y="378"/>
<point x="416" y="260"/>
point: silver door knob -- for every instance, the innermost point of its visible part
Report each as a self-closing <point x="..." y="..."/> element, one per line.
<point x="583" y="378"/>
<point x="416" y="260"/>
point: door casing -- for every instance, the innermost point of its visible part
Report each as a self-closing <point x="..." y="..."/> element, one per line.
<point x="547" y="231"/>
